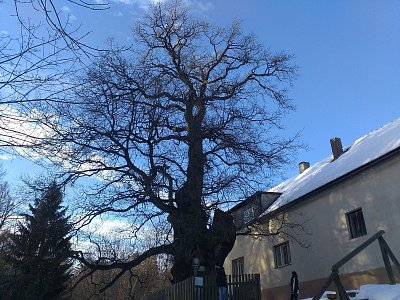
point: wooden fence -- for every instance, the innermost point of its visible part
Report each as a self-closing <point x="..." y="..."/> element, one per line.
<point x="243" y="287"/>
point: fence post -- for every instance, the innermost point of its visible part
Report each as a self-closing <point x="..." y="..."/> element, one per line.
<point x="341" y="292"/>
<point x="324" y="287"/>
<point x="391" y="254"/>
<point x="241" y="287"/>
<point x="386" y="261"/>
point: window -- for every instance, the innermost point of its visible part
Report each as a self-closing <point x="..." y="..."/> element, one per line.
<point x="248" y="214"/>
<point x="238" y="266"/>
<point x="282" y="255"/>
<point x="355" y="220"/>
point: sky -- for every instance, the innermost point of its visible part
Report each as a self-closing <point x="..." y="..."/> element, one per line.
<point x="347" y="53"/>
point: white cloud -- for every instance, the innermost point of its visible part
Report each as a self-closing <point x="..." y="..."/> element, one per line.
<point x="5" y="157"/>
<point x="108" y="227"/>
<point x="23" y="131"/>
<point x="112" y="226"/>
<point x="15" y="127"/>
<point x="4" y="33"/>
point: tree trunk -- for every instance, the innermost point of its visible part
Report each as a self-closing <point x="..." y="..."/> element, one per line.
<point x="192" y="239"/>
<point x="192" y="235"/>
<point x="223" y="232"/>
<point x="189" y="223"/>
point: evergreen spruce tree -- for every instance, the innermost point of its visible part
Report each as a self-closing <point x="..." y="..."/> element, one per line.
<point x="40" y="251"/>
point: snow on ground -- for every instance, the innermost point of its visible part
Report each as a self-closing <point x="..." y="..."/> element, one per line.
<point x="373" y="292"/>
<point x="379" y="292"/>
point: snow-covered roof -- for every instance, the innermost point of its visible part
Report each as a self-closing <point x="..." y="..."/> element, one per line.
<point x="361" y="152"/>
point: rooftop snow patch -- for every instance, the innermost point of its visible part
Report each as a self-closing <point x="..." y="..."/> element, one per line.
<point x="361" y="152"/>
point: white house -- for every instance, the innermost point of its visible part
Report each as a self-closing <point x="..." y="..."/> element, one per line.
<point x="328" y="210"/>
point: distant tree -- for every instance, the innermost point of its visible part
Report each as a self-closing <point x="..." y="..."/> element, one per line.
<point x="39" y="252"/>
<point x="8" y="205"/>
<point x="177" y="128"/>
<point x="145" y="279"/>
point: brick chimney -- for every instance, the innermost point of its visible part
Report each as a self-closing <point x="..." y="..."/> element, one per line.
<point x="337" y="149"/>
<point x="304" y="165"/>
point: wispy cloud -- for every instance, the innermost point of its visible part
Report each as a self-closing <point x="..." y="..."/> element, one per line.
<point x="16" y="128"/>
<point x="107" y="227"/>
<point x="5" y="157"/>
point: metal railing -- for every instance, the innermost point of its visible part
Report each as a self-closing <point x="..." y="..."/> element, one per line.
<point x="386" y="254"/>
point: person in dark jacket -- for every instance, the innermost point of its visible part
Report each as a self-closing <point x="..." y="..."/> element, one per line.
<point x="221" y="282"/>
<point x="294" y="286"/>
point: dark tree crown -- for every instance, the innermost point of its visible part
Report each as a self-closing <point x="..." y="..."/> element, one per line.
<point x="40" y="251"/>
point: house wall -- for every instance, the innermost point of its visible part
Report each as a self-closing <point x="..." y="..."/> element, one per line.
<point x="376" y="191"/>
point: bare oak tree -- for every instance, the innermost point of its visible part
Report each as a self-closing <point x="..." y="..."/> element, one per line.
<point x="175" y="129"/>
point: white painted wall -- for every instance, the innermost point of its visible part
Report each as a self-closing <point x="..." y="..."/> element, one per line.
<point x="376" y="191"/>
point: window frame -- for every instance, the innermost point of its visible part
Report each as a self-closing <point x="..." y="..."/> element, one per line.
<point x="279" y="255"/>
<point x="248" y="214"/>
<point x="356" y="223"/>
<point x="238" y="266"/>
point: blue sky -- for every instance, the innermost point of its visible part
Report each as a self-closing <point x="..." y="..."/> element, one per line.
<point x="347" y="52"/>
